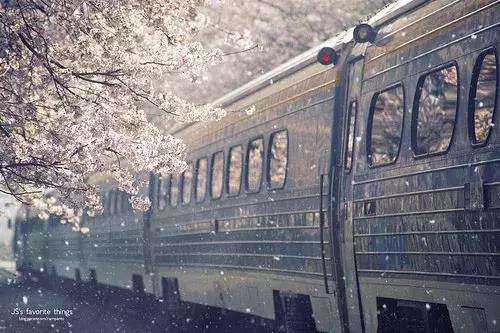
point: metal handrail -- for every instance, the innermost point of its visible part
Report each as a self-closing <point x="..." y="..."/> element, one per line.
<point x="321" y="233"/>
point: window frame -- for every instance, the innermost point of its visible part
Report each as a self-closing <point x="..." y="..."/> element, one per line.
<point x="126" y="207"/>
<point x="111" y="203"/>
<point x="118" y="203"/>
<point x="158" y="183"/>
<point x="105" y="203"/>
<point x="123" y="207"/>
<point x="228" y="166"/>
<point x="117" y="200"/>
<point x="161" y="180"/>
<point x="268" y="159"/>
<point x="260" y="137"/>
<point x="122" y="203"/>
<point x="471" y="105"/>
<point x="183" y="178"/>
<point x="212" y="174"/>
<point x="170" y="187"/>
<point x="346" y="153"/>
<point x="371" y="112"/>
<point x="416" y="102"/>
<point x="195" y="183"/>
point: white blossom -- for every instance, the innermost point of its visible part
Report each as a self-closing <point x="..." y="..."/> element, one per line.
<point x="75" y="80"/>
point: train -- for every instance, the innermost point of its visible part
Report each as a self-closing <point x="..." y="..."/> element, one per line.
<point x="360" y="194"/>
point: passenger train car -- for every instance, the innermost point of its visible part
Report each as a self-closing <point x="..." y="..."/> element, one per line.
<point x="360" y="196"/>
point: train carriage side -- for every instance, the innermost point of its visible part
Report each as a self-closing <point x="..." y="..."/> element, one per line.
<point x="242" y="229"/>
<point x="64" y="251"/>
<point x="31" y="244"/>
<point x="424" y="200"/>
<point x="45" y="249"/>
<point x="113" y="250"/>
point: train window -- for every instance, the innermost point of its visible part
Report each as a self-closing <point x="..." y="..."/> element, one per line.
<point x="105" y="203"/>
<point x="235" y="165"/>
<point x="116" y="202"/>
<point x="386" y="124"/>
<point x="217" y="175"/>
<point x="174" y="190"/>
<point x="163" y="184"/>
<point x="126" y="207"/>
<point x="187" y="184"/>
<point x="111" y="202"/>
<point x="278" y="159"/>
<point x="201" y="179"/>
<point x="255" y="162"/>
<point x="116" y="197"/>
<point x="435" y="107"/>
<point x="353" y="109"/>
<point x="483" y="95"/>
<point x="118" y="205"/>
<point x="123" y="202"/>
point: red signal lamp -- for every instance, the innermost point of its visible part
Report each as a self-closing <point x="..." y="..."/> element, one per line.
<point x="328" y="56"/>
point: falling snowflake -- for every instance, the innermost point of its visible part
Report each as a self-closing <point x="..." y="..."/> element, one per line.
<point x="251" y="110"/>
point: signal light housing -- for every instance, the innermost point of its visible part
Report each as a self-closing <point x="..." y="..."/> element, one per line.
<point x="364" y="33"/>
<point x="328" y="56"/>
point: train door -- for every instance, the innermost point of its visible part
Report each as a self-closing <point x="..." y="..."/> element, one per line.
<point x="352" y="311"/>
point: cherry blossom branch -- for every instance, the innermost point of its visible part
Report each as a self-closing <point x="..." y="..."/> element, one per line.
<point x="242" y="51"/>
<point x="74" y="75"/>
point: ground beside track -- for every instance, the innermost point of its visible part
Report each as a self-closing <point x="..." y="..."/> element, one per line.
<point x="89" y="315"/>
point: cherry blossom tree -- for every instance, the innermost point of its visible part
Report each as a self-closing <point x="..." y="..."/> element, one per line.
<point x="75" y="78"/>
<point x="89" y="87"/>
